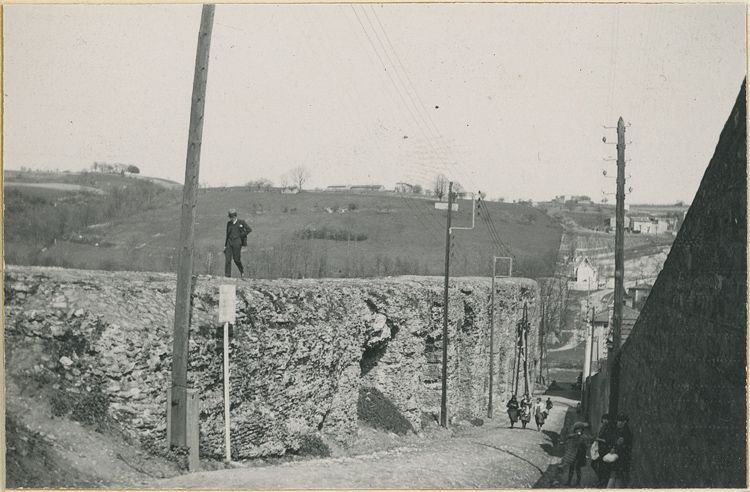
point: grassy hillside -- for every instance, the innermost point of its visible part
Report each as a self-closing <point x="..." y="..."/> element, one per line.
<point x="310" y="234"/>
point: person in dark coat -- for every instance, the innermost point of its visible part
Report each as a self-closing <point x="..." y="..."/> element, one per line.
<point x="623" y="448"/>
<point x="513" y="410"/>
<point x="605" y="440"/>
<point x="236" y="238"/>
<point x="549" y="405"/>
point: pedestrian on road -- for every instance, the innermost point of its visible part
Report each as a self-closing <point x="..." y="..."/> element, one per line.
<point x="236" y="238"/>
<point x="540" y="414"/>
<point x="622" y="448"/>
<point x="605" y="440"/>
<point x="513" y="410"/>
<point x="575" y="452"/>
<point x="549" y="405"/>
<point x="525" y="410"/>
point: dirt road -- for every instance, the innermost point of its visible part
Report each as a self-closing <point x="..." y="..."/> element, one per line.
<point x="489" y="456"/>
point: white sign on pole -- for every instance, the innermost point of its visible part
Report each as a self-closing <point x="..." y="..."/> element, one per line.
<point x="227" y="303"/>
<point x="227" y="439"/>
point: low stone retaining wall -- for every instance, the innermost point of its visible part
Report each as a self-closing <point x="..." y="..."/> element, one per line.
<point x="300" y="350"/>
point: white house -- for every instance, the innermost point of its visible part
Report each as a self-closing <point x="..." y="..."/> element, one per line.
<point x="586" y="276"/>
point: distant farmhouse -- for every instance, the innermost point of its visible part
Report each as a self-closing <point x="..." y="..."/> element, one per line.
<point x="104" y="167"/>
<point x="367" y="188"/>
<point x="404" y="188"/>
<point x="337" y="188"/>
<point x="586" y="276"/>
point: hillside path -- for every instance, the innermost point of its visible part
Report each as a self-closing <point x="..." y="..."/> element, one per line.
<point x="490" y="456"/>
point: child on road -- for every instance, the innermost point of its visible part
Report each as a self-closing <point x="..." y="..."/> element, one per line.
<point x="575" y="452"/>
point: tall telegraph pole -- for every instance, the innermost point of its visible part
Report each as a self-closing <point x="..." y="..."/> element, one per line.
<point x="444" y="397"/>
<point x="187" y="233"/>
<point x="619" y="268"/>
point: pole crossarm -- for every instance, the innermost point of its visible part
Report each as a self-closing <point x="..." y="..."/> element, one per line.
<point x="510" y="266"/>
<point x="473" y="214"/>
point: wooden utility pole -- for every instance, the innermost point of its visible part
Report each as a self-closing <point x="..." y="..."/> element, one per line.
<point x="187" y="233"/>
<point x="444" y="395"/>
<point x="525" y="333"/>
<point x="619" y="269"/>
<point x="492" y="338"/>
<point x="540" y="377"/>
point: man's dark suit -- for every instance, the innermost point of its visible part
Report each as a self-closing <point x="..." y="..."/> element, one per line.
<point x="236" y="238"/>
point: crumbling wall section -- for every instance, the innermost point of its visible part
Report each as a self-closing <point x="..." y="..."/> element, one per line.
<point x="300" y="349"/>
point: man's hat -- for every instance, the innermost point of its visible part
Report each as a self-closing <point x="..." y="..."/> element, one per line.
<point x="232" y="212"/>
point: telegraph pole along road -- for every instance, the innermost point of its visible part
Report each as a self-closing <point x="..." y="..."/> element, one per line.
<point x="182" y="423"/>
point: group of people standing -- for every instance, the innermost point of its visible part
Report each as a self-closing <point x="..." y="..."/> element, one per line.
<point x="525" y="408"/>
<point x="610" y="450"/>
<point x="612" y="447"/>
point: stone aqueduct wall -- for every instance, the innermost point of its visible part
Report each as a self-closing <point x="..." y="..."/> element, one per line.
<point x="684" y="367"/>
<point x="300" y="350"/>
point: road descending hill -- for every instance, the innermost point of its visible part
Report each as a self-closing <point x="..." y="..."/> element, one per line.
<point x="492" y="456"/>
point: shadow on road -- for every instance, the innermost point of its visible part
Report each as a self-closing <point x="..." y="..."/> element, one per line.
<point x="552" y="449"/>
<point x="550" y="478"/>
<point x="553" y="436"/>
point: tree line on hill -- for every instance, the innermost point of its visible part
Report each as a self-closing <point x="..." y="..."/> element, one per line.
<point x="34" y="222"/>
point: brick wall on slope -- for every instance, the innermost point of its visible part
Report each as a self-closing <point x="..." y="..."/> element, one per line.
<point x="683" y="369"/>
<point x="300" y="350"/>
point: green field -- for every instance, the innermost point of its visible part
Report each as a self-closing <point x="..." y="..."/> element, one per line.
<point x="136" y="226"/>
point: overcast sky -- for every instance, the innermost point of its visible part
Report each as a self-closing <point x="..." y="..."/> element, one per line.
<point x="510" y="99"/>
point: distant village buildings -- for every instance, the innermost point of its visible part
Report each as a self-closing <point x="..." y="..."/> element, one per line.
<point x="404" y="188"/>
<point x="647" y="224"/>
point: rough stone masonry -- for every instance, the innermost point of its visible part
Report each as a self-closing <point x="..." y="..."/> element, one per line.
<point x="300" y="349"/>
<point x="684" y="367"/>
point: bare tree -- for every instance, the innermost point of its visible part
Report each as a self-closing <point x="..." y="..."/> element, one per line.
<point x="284" y="180"/>
<point x="264" y="184"/>
<point x="439" y="187"/>
<point x="299" y="175"/>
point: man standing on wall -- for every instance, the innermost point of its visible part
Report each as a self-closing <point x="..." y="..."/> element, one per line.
<point x="237" y="231"/>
